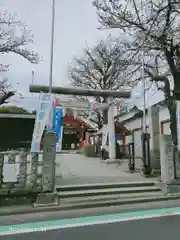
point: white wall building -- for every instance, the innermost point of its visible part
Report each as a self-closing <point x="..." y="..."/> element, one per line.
<point x="133" y="121"/>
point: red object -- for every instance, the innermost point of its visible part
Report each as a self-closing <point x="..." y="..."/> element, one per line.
<point x="76" y="123"/>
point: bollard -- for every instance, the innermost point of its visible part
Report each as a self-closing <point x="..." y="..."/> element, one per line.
<point x="145" y="137"/>
<point x="131" y="157"/>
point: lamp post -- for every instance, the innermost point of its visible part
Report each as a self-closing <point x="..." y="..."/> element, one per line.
<point x="52" y="46"/>
<point x="145" y="137"/>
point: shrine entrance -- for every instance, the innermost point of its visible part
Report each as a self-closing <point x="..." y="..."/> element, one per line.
<point x="75" y="132"/>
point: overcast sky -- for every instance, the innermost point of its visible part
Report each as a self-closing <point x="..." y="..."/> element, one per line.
<point x="75" y="26"/>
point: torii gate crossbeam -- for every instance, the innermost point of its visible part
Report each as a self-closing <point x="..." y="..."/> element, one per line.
<point x="81" y="92"/>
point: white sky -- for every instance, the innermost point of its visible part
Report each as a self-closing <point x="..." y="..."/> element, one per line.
<point x="75" y="26"/>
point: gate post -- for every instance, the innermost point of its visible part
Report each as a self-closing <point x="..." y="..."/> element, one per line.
<point x="1" y="169"/>
<point x="49" y="157"/>
<point x="131" y="157"/>
<point x="145" y="137"/>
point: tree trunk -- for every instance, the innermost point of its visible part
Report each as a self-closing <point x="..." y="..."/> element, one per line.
<point x="171" y="105"/>
<point x="173" y="120"/>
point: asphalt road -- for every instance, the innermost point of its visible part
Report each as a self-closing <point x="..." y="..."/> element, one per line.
<point x="58" y="215"/>
<point x="164" y="228"/>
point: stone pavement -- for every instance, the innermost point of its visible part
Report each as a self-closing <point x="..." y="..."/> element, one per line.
<point x="78" y="169"/>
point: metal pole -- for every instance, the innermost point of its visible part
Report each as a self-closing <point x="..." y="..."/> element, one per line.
<point x="32" y="77"/>
<point x="145" y="134"/>
<point x="52" y="46"/>
<point x="144" y="94"/>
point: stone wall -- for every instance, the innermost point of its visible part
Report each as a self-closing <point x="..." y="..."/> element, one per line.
<point x="20" y="170"/>
<point x="26" y="174"/>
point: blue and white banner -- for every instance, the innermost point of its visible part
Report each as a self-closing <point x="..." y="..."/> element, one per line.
<point x="57" y="126"/>
<point x="42" y="116"/>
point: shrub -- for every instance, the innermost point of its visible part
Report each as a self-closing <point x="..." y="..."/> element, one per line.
<point x="14" y="110"/>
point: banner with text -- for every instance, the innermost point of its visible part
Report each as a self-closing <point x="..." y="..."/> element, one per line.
<point x="42" y="118"/>
<point x="57" y="126"/>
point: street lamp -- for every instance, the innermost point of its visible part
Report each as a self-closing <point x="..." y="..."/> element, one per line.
<point x="52" y="46"/>
<point x="145" y="135"/>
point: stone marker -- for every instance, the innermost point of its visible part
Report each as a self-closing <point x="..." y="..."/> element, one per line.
<point x="49" y="157"/>
<point x="169" y="166"/>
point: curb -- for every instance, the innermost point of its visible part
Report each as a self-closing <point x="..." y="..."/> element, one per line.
<point x="51" y="208"/>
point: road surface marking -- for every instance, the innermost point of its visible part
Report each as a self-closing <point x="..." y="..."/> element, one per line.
<point x="86" y="221"/>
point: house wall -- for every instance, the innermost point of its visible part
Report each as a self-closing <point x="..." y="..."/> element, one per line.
<point x="135" y="125"/>
<point x="164" y="120"/>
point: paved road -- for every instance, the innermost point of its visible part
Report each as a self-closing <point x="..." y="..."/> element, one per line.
<point x="77" y="169"/>
<point x="79" y="213"/>
<point x="164" y="228"/>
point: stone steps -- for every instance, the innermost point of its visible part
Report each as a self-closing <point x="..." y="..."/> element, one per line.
<point x="109" y="191"/>
<point x="99" y="194"/>
<point x="93" y="186"/>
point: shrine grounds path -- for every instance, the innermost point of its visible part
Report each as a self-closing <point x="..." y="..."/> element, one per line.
<point x="77" y="169"/>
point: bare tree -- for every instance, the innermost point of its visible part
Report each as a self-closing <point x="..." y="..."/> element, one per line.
<point x="152" y="27"/>
<point x="102" y="67"/>
<point x="14" y="37"/>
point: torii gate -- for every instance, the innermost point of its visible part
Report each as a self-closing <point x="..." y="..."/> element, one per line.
<point x="110" y="94"/>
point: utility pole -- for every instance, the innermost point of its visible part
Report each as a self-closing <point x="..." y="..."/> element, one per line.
<point x="145" y="137"/>
<point x="52" y="47"/>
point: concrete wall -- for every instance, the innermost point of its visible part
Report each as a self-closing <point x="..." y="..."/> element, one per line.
<point x="135" y="125"/>
<point x="163" y="113"/>
<point x="164" y="121"/>
<point x="20" y="170"/>
<point x="155" y="124"/>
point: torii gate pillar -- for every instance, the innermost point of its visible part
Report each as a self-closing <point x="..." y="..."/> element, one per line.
<point x="111" y="129"/>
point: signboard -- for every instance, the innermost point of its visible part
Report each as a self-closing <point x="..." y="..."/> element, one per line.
<point x="57" y="126"/>
<point x="42" y="118"/>
<point x="10" y="173"/>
